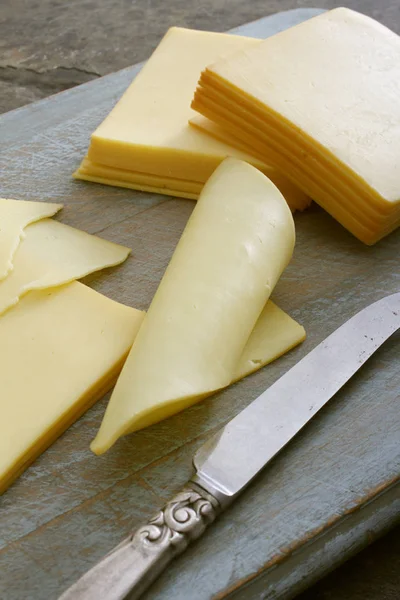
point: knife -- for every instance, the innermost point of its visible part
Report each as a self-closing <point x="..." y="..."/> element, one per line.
<point x="229" y="460"/>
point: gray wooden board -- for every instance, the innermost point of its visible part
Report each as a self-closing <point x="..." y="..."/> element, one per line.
<point x="327" y="495"/>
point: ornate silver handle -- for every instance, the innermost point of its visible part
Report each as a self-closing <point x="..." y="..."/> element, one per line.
<point x="135" y="563"/>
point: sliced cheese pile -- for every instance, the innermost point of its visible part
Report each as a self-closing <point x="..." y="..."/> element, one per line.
<point x="146" y="142"/>
<point x="321" y="101"/>
<point x="217" y="132"/>
<point x="61" y="348"/>
<point x="210" y="322"/>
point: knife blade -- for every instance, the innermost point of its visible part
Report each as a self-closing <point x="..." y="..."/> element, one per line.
<point x="229" y="460"/>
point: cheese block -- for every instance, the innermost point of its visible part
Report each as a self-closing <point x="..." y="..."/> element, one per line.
<point x="234" y="248"/>
<point x="15" y="215"/>
<point x="53" y="254"/>
<point x="60" y="351"/>
<point x="147" y="138"/>
<point x="320" y="102"/>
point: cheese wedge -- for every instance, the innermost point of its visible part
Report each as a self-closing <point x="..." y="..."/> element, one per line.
<point x="53" y="254"/>
<point x="193" y="340"/>
<point x="320" y="102"/>
<point x="15" y="215"/>
<point x="60" y="351"/>
<point x="147" y="139"/>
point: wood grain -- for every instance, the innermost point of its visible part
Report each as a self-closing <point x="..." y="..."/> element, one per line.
<point x="332" y="491"/>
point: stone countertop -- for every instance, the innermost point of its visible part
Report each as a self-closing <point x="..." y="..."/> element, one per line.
<point x="47" y="46"/>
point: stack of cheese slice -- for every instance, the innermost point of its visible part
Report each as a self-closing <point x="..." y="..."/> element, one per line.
<point x="211" y="321"/>
<point x="146" y="142"/>
<point x="62" y="345"/>
<point x="321" y="101"/>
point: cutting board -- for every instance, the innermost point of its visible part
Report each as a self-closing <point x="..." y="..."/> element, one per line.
<point x="327" y="495"/>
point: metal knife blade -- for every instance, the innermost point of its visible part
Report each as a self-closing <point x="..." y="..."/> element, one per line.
<point x="230" y="459"/>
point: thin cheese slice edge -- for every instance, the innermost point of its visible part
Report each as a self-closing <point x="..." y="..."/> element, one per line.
<point x="296" y="199"/>
<point x="15" y="215"/>
<point x="53" y="254"/>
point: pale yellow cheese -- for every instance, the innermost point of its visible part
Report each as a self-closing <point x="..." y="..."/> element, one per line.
<point x="170" y="186"/>
<point x="53" y="254"/>
<point x="274" y="334"/>
<point x="148" y="129"/>
<point x="60" y="351"/>
<point x="235" y="246"/>
<point x="147" y="136"/>
<point x="339" y="202"/>
<point x="15" y="215"/>
<point x="269" y="140"/>
<point x="291" y="193"/>
<point x="98" y="173"/>
<point x="324" y="98"/>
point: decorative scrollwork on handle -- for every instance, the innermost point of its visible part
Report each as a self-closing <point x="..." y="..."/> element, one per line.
<point x="137" y="561"/>
<point x="182" y="520"/>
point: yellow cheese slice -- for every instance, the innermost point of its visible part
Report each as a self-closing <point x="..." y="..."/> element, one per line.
<point x="147" y="133"/>
<point x="328" y="98"/>
<point x="340" y="201"/>
<point x="53" y="254"/>
<point x="90" y="171"/>
<point x="235" y="246"/>
<point x="266" y="139"/>
<point x="60" y="351"/>
<point x="291" y="192"/>
<point x="274" y="334"/>
<point x="98" y="173"/>
<point x="15" y="215"/>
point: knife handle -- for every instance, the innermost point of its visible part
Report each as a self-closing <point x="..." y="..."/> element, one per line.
<point x="139" y="559"/>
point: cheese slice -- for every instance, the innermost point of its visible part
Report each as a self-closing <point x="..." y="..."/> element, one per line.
<point x="53" y="254"/>
<point x="274" y="334"/>
<point x="147" y="138"/>
<point x="296" y="200"/>
<point x="97" y="173"/>
<point x="60" y="351"/>
<point x="320" y="101"/>
<point x="268" y="140"/>
<point x="15" y="215"/>
<point x="334" y="195"/>
<point x="234" y="248"/>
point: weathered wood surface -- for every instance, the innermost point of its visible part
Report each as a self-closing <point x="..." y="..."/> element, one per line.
<point x="331" y="492"/>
